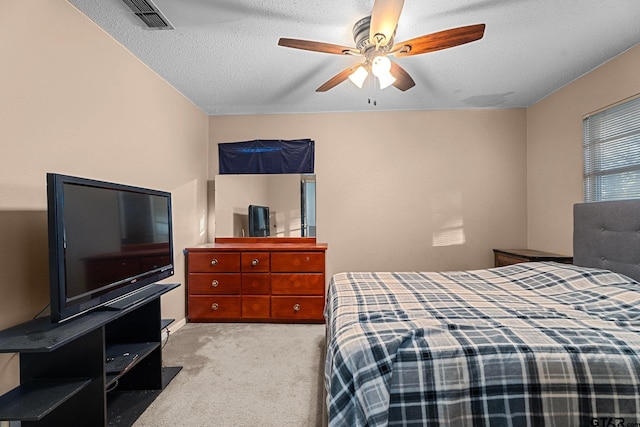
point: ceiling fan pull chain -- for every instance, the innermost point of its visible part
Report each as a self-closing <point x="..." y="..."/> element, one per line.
<point x="373" y="89"/>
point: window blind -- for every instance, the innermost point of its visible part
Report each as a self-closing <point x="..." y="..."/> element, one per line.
<point x="612" y="153"/>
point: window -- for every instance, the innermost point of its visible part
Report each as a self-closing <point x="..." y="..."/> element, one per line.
<point x="612" y="153"/>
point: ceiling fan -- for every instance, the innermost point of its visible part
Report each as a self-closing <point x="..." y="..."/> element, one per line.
<point x="373" y="36"/>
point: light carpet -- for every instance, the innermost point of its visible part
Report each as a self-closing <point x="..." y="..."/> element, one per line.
<point x="237" y="375"/>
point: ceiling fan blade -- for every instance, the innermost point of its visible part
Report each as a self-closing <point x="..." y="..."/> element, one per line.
<point x="384" y="20"/>
<point x="403" y="79"/>
<point x="438" y="41"/>
<point x="318" y="46"/>
<point x="337" y="79"/>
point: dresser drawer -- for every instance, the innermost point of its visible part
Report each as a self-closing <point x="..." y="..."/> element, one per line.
<point x="256" y="307"/>
<point x="256" y="284"/>
<point x="214" y="283"/>
<point x="297" y="262"/>
<point x="297" y="284"/>
<point x="255" y="262"/>
<point x="214" y="307"/>
<point x="205" y="262"/>
<point x="296" y="307"/>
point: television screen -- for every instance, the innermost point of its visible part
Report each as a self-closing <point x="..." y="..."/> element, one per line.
<point x="258" y="221"/>
<point x="106" y="240"/>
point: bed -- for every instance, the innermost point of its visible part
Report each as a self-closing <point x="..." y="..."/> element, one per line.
<point x="528" y="344"/>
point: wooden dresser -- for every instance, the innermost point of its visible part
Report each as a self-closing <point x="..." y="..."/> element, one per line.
<point x="261" y="279"/>
<point x="504" y="257"/>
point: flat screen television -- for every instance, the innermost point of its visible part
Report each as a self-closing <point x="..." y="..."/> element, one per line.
<point x="108" y="243"/>
<point x="258" y="221"/>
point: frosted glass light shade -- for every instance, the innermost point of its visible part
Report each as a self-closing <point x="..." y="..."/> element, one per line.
<point x="386" y="80"/>
<point x="359" y="76"/>
<point x="381" y="68"/>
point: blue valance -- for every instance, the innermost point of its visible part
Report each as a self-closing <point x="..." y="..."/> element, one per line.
<point x="268" y="156"/>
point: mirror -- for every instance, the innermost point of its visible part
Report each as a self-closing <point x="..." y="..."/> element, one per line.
<point x="290" y="199"/>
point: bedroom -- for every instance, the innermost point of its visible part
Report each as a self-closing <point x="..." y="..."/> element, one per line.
<point x="76" y="101"/>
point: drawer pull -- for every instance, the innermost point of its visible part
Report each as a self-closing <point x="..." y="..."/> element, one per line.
<point x="214" y="262"/>
<point x="254" y="262"/>
<point x="214" y="306"/>
<point x="296" y="307"/>
<point x="214" y="284"/>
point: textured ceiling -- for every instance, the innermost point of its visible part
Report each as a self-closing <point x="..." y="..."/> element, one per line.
<point x="223" y="54"/>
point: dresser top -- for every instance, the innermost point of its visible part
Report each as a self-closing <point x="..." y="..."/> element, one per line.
<point x="532" y="254"/>
<point x="261" y="244"/>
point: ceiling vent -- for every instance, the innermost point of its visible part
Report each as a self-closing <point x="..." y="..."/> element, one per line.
<point x="149" y="14"/>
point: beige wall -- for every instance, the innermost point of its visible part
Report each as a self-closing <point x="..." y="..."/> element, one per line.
<point x="76" y="102"/>
<point x="432" y="190"/>
<point x="554" y="148"/>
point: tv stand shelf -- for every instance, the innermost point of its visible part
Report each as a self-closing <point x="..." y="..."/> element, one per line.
<point x="34" y="399"/>
<point x="63" y="373"/>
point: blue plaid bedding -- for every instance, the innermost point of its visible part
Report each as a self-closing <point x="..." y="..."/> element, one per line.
<point x="529" y="344"/>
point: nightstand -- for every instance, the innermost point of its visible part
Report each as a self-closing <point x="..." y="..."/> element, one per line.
<point x="504" y="257"/>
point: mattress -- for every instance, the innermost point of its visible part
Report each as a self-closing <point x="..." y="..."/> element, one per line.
<point x="527" y="344"/>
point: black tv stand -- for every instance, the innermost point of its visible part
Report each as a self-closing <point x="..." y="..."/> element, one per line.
<point x="63" y="374"/>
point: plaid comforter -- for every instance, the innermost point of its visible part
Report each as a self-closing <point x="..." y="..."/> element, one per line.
<point x="530" y="344"/>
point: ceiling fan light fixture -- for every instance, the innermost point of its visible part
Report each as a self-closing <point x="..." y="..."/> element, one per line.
<point x="381" y="68"/>
<point x="374" y="36"/>
<point x="359" y="76"/>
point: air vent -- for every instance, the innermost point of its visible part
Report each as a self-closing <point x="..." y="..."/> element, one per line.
<point x="149" y="14"/>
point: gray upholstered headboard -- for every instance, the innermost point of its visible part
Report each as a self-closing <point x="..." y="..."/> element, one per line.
<point x="607" y="235"/>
